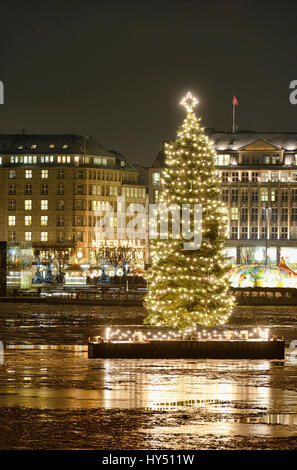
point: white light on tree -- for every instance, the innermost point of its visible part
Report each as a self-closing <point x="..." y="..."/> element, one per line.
<point x="190" y="287"/>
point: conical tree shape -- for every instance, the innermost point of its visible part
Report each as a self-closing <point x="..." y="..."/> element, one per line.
<point x="189" y="287"/>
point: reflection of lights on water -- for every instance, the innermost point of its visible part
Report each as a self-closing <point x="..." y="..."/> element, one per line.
<point x="168" y="386"/>
<point x="59" y="347"/>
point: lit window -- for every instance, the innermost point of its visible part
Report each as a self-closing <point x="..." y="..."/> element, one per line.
<point x="156" y="178"/>
<point x="20" y="147"/>
<point x="264" y="194"/>
<point x="28" y="205"/>
<point x="44" y="174"/>
<point x="28" y="220"/>
<point x="113" y="191"/>
<point x="44" y="236"/>
<point x="46" y="159"/>
<point x="65" y="146"/>
<point x="275" y="159"/>
<point x="234" y="213"/>
<point x="28" y="174"/>
<point x="44" y="204"/>
<point x="11" y="220"/>
<point x="51" y="146"/>
<point x="266" y="159"/>
<point x="44" y="220"/>
<point x="285" y="176"/>
<point x="29" y="159"/>
<point x="33" y="146"/>
<point x="274" y="195"/>
<point x="12" y="174"/>
<point x="274" y="176"/>
<point x="0" y="160"/>
<point x="104" y="161"/>
<point x="265" y="177"/>
<point x="97" y="161"/>
<point x="64" y="159"/>
<point x="223" y="160"/>
<point x="28" y="236"/>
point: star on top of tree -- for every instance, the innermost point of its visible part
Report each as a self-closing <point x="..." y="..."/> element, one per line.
<point x="189" y="102"/>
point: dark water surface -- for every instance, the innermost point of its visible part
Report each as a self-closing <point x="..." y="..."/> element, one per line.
<point x="53" y="397"/>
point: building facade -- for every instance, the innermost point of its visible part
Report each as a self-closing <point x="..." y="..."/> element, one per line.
<point x="258" y="175"/>
<point x="51" y="187"/>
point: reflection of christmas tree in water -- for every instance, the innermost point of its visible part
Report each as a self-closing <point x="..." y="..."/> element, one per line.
<point x="190" y="287"/>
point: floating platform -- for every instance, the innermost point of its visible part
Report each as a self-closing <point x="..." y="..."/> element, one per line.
<point x="188" y="349"/>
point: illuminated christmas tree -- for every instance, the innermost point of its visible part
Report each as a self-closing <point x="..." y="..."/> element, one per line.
<point x="190" y="287"/>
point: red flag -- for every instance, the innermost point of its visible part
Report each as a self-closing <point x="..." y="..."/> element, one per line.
<point x="235" y="101"/>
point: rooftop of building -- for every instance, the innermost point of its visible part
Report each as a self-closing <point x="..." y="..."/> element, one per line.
<point x="235" y="140"/>
<point x="59" y="144"/>
<point x="225" y="141"/>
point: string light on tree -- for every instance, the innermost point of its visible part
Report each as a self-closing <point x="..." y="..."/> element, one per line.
<point x="190" y="287"/>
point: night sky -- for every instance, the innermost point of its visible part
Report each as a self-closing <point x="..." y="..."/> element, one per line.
<point x="117" y="70"/>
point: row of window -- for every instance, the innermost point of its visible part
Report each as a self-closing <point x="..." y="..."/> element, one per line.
<point x="63" y="159"/>
<point x="254" y="233"/>
<point x="258" y="177"/>
<point x="77" y="204"/>
<point x="43" y="237"/>
<point x="247" y="176"/>
<point x="80" y="174"/>
<point x="265" y="214"/>
<point x="93" y="189"/>
<point x="60" y="236"/>
<point x="253" y="195"/>
<point x="78" y="220"/>
<point x="252" y="159"/>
